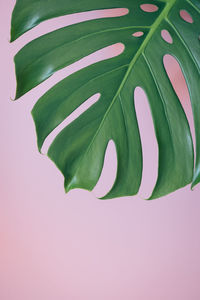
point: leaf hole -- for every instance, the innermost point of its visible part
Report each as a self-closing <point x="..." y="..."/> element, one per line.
<point x="108" y="13"/>
<point x="166" y="36"/>
<point x="108" y="173"/>
<point x="73" y="116"/>
<point x="180" y="87"/>
<point x="138" y="34"/>
<point x="149" y="7"/>
<point x="149" y="142"/>
<point x="186" y="16"/>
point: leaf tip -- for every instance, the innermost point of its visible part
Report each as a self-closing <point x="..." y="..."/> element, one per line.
<point x="195" y="181"/>
<point x="193" y="185"/>
<point x="69" y="184"/>
<point x="12" y="99"/>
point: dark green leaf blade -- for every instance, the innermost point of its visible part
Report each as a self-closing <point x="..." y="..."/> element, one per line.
<point x="79" y="149"/>
<point x="27" y="13"/>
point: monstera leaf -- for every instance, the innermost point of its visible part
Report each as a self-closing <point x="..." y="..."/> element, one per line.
<point x="79" y="149"/>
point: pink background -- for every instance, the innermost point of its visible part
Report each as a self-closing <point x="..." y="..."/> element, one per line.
<point x="74" y="246"/>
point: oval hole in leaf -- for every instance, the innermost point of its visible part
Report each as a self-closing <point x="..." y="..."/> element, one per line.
<point x="138" y="33"/>
<point x="74" y="115"/>
<point x="149" y="7"/>
<point x="186" y="16"/>
<point x="179" y="84"/>
<point x="108" y="173"/>
<point x="149" y="143"/>
<point x="166" y="36"/>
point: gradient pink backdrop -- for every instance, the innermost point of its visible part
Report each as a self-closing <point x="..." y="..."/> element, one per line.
<point x="74" y="246"/>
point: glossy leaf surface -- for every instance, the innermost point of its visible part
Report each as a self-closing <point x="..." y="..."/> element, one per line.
<point x="79" y="149"/>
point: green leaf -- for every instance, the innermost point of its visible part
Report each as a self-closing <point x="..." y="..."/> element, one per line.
<point x="78" y="151"/>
